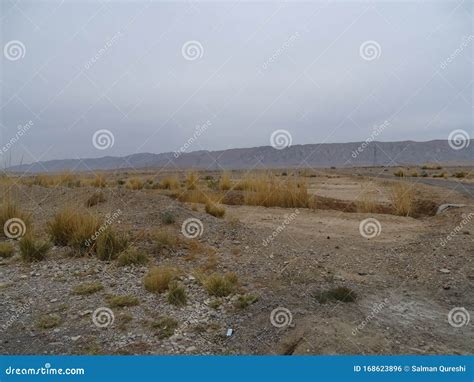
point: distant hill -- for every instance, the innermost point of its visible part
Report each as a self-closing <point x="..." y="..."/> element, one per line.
<point x="310" y="155"/>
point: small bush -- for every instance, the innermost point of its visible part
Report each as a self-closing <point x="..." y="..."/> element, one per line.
<point x="48" y="321"/>
<point x="167" y="217"/>
<point x="32" y="249"/>
<point x="414" y="174"/>
<point x="164" y="327"/>
<point x="87" y="288"/>
<point x="109" y="245"/>
<point x="176" y="294"/>
<point x="95" y="198"/>
<point x="132" y="256"/>
<point x="122" y="301"/>
<point x="343" y="294"/>
<point x="221" y="285"/>
<point x="215" y="210"/>
<point x="134" y="184"/>
<point x="6" y="250"/>
<point x="158" y="279"/>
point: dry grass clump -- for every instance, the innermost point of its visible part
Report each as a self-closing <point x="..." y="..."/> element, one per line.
<point x="6" y="250"/>
<point x="430" y="166"/>
<point x="74" y="228"/>
<point x="158" y="279"/>
<point x="196" y="196"/>
<point x="108" y="244"/>
<point x="163" y="238"/>
<point x="134" y="184"/>
<point x="87" y="288"/>
<point x="32" y="249"/>
<point x="48" y="321"/>
<point x="66" y="179"/>
<point x="402" y="197"/>
<point x="366" y="203"/>
<point x="169" y="183"/>
<point x="176" y="294"/>
<point x="95" y="198"/>
<point x="99" y="181"/>
<point x="122" y="301"/>
<point x="192" y="179"/>
<point x="225" y="182"/>
<point x="400" y="173"/>
<point x="460" y="174"/>
<point x="10" y="210"/>
<point x="164" y="327"/>
<point x="244" y="301"/>
<point x="221" y="285"/>
<point x="132" y="256"/>
<point x="270" y="191"/>
<point x="215" y="210"/>
<point x="343" y="294"/>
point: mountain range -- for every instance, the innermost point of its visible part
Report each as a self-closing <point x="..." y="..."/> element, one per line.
<point x="355" y="154"/>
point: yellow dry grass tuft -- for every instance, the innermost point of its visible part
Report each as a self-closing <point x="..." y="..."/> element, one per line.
<point x="158" y="279"/>
<point x="402" y="197"/>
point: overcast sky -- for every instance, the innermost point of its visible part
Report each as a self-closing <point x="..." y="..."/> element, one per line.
<point x="150" y="72"/>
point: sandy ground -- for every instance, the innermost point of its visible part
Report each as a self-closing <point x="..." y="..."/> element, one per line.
<point x="406" y="280"/>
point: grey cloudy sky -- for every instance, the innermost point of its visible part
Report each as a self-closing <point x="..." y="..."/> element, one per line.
<point x="305" y="67"/>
